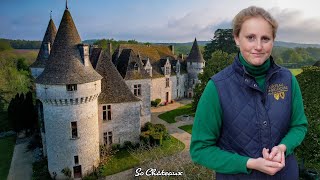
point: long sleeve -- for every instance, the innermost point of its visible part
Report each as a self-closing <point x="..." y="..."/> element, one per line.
<point x="299" y="123"/>
<point x="205" y="133"/>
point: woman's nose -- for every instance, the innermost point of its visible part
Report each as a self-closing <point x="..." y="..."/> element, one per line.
<point x="258" y="45"/>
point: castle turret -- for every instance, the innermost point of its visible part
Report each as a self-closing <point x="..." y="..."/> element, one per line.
<point x="68" y="89"/>
<point x="38" y="66"/>
<point x="195" y="65"/>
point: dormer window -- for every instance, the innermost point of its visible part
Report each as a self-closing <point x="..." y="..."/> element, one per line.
<point x="178" y="68"/>
<point x="71" y="87"/>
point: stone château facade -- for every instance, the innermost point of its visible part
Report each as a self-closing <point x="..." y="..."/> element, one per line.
<point x="88" y="97"/>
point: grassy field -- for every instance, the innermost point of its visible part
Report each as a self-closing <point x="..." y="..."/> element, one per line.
<point x="296" y="71"/>
<point x="171" y="115"/>
<point x="4" y="123"/>
<point x="187" y="128"/>
<point x="125" y="159"/>
<point x="6" y="152"/>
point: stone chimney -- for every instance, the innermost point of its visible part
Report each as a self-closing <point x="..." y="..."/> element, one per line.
<point x="84" y="52"/>
<point x="171" y="47"/>
<point x="181" y="55"/>
<point x="109" y="48"/>
<point x="47" y="49"/>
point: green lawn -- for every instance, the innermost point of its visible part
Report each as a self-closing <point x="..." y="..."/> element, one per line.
<point x="296" y="71"/>
<point x="125" y="159"/>
<point x="6" y="152"/>
<point x="171" y="115"/>
<point x="4" y="123"/>
<point x="187" y="128"/>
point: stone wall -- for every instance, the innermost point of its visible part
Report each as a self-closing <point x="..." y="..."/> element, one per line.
<point x="124" y="123"/>
<point x="179" y="90"/>
<point x="145" y="113"/>
<point x="159" y="89"/>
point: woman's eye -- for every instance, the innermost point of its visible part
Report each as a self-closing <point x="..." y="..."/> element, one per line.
<point x="250" y="38"/>
<point x="265" y="39"/>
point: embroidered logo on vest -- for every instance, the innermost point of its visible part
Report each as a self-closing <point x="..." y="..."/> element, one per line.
<point x="278" y="91"/>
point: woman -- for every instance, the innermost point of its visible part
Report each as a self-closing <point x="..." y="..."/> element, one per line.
<point x="250" y="117"/>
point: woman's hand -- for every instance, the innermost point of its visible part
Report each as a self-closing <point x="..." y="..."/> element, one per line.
<point x="266" y="166"/>
<point x="275" y="154"/>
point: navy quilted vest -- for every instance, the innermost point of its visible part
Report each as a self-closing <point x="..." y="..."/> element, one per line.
<point x="252" y="118"/>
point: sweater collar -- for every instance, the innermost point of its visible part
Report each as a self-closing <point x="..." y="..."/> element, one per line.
<point x="240" y="68"/>
<point x="255" y="70"/>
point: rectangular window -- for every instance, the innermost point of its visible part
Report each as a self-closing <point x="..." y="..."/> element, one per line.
<point x="177" y="81"/>
<point x="109" y="112"/>
<point x="74" y="130"/>
<point x="167" y="82"/>
<point x="104" y="113"/>
<point x="137" y="89"/>
<point x="71" y="87"/>
<point x="76" y="160"/>
<point x="107" y="136"/>
<point x="167" y="70"/>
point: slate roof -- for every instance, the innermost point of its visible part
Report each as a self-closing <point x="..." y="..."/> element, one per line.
<point x="64" y="65"/>
<point x="48" y="37"/>
<point x="94" y="56"/>
<point x="155" y="53"/>
<point x="113" y="87"/>
<point x="195" y="55"/>
<point x="125" y="65"/>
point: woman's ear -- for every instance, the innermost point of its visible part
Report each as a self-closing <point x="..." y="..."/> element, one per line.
<point x="236" y="40"/>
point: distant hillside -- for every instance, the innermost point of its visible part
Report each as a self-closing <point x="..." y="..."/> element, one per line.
<point x="90" y="41"/>
<point x="294" y="45"/>
<point x="277" y="43"/>
<point x="25" y="44"/>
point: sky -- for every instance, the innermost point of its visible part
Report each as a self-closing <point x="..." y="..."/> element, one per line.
<point x="155" y="20"/>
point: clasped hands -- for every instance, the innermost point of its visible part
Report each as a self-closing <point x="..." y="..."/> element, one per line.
<point x="271" y="162"/>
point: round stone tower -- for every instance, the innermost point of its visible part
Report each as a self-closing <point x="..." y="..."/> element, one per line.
<point x="68" y="89"/>
<point x="195" y="65"/>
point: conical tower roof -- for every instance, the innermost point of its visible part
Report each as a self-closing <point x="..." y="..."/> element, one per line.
<point x="113" y="87"/>
<point x="64" y="65"/>
<point x="195" y="54"/>
<point x="48" y="38"/>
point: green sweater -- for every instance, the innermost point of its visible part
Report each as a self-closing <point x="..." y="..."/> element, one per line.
<point x="208" y="120"/>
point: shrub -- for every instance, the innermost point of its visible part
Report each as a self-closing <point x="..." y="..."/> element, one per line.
<point x="67" y="172"/>
<point x="147" y="127"/>
<point x="128" y="145"/>
<point x="115" y="146"/>
<point x="156" y="138"/>
<point x="153" y="103"/>
<point x="310" y="85"/>
<point x="162" y="128"/>
<point x="145" y="137"/>
<point x="157" y="101"/>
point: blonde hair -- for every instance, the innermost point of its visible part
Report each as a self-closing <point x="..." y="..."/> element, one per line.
<point x="250" y="12"/>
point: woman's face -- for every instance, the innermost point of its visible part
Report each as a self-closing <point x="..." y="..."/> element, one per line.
<point x="255" y="40"/>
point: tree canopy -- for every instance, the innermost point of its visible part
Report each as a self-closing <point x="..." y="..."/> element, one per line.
<point x="219" y="60"/>
<point x="223" y="41"/>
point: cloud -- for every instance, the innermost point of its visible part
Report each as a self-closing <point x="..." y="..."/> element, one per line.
<point x="200" y="24"/>
<point x="295" y="27"/>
